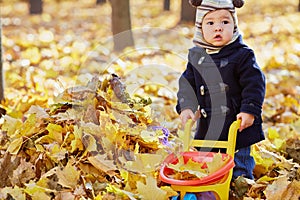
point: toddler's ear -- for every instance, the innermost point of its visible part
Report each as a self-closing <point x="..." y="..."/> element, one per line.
<point x="238" y="3"/>
<point x="195" y="3"/>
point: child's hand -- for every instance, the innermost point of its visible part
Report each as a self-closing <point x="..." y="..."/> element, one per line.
<point x="188" y="114"/>
<point x="246" y="120"/>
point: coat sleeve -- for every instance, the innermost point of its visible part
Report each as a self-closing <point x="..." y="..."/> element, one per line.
<point x="186" y="95"/>
<point x="252" y="80"/>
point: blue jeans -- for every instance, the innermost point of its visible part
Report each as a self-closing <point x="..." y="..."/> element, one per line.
<point x="244" y="163"/>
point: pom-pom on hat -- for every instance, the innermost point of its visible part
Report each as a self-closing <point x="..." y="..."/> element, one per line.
<point x="206" y="6"/>
<point x="236" y="3"/>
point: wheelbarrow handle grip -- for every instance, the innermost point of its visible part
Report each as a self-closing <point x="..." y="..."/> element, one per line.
<point x="188" y="129"/>
<point x="187" y="134"/>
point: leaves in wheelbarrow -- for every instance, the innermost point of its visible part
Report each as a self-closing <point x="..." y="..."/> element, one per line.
<point x="217" y="162"/>
<point x="195" y="170"/>
<point x="189" y="170"/>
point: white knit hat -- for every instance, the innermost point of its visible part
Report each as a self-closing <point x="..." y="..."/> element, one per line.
<point x="206" y="6"/>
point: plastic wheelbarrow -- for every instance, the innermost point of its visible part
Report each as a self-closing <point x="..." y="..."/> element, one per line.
<point x="217" y="182"/>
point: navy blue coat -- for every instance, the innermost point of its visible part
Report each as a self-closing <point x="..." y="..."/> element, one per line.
<point x="223" y="84"/>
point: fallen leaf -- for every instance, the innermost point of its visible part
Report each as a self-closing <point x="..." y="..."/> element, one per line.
<point x="277" y="188"/>
<point x="24" y="172"/>
<point x="293" y="191"/>
<point x="100" y="162"/>
<point x="68" y="176"/>
<point x="15" y="192"/>
<point x="150" y="191"/>
<point x="76" y="143"/>
<point x="11" y="125"/>
<point x="144" y="163"/>
<point x="241" y="185"/>
<point x="36" y="192"/>
<point x="15" y="145"/>
<point x="38" y="111"/>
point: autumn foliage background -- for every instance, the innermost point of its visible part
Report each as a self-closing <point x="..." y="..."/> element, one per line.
<point x="67" y="135"/>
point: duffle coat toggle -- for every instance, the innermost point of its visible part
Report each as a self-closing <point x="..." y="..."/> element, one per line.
<point x="222" y="110"/>
<point x="220" y="87"/>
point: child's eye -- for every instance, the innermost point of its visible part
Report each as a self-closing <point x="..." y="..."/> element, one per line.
<point x="226" y="22"/>
<point x="210" y="23"/>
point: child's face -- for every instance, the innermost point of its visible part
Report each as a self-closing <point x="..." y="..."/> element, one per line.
<point x="217" y="27"/>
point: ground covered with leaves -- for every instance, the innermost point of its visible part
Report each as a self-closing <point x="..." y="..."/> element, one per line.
<point x="80" y="121"/>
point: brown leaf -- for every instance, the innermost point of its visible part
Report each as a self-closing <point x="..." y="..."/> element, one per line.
<point x="293" y="148"/>
<point x="256" y="190"/>
<point x="101" y="163"/>
<point x="293" y="191"/>
<point x="7" y="165"/>
<point x="241" y="185"/>
<point x="90" y="115"/>
<point x="24" y="172"/>
<point x="277" y="188"/>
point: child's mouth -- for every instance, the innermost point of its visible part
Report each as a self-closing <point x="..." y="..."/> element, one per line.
<point x="218" y="37"/>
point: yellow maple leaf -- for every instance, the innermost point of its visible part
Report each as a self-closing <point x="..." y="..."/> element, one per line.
<point x="56" y="153"/>
<point x="15" y="145"/>
<point x="274" y="137"/>
<point x="272" y="133"/>
<point x="265" y="179"/>
<point x="11" y="125"/>
<point x="190" y="166"/>
<point x="29" y="127"/>
<point x="68" y="176"/>
<point x="216" y="163"/>
<point x="265" y="160"/>
<point x="149" y="136"/>
<point x="36" y="192"/>
<point x="119" y="192"/>
<point x="130" y="179"/>
<point x="169" y="190"/>
<point x="144" y="163"/>
<point x="15" y="193"/>
<point x="150" y="191"/>
<point x="55" y="132"/>
<point x="196" y="168"/>
<point x="76" y="142"/>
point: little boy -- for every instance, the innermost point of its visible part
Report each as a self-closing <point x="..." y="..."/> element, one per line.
<point x="223" y="81"/>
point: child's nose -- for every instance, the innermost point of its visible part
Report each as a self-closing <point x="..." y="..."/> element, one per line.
<point x="218" y="27"/>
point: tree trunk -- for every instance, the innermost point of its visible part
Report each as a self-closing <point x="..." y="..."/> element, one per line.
<point x="36" y="6"/>
<point x="121" y="24"/>
<point x="166" y="4"/>
<point x="188" y="12"/>
<point x="1" y="66"/>
<point x="100" y="2"/>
